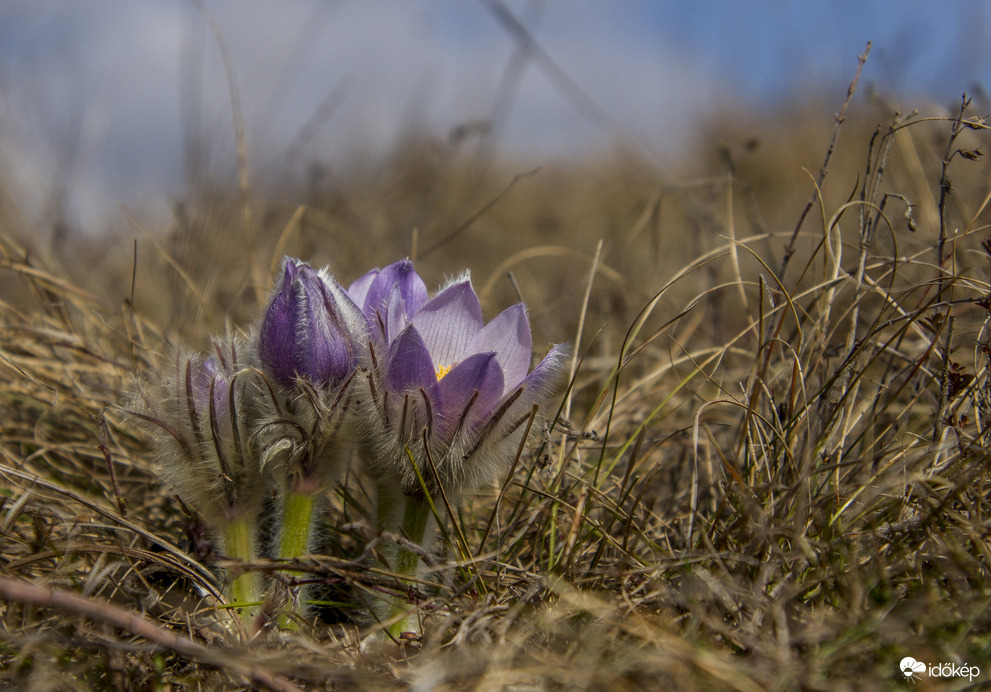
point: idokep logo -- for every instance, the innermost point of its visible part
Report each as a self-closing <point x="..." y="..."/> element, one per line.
<point x="913" y="669"/>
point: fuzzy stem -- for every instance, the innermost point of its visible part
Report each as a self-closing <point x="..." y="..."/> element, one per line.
<point x="416" y="519"/>
<point x="390" y="505"/>
<point x="295" y="531"/>
<point x="244" y="591"/>
<point x="297" y="524"/>
<point x="389" y="502"/>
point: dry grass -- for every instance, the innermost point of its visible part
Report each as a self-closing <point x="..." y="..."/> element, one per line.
<point x="764" y="479"/>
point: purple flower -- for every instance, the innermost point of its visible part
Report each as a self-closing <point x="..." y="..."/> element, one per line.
<point x="309" y="327"/>
<point x="310" y="342"/>
<point x="444" y="386"/>
<point x="204" y="423"/>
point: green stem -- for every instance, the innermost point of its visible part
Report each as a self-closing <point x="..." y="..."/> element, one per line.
<point x="389" y="501"/>
<point x="416" y="519"/>
<point x="295" y="532"/>
<point x="297" y="524"/>
<point x="244" y="591"/>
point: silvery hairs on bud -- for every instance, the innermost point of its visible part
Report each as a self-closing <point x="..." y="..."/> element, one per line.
<point x="198" y="409"/>
<point x="308" y="346"/>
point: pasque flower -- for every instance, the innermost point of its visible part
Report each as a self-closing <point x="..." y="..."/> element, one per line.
<point x="445" y="388"/>
<point x="201" y="416"/>
<point x="308" y="345"/>
<point x="446" y="399"/>
<point x="433" y="399"/>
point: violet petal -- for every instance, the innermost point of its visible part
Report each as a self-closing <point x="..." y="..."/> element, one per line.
<point x="544" y="379"/>
<point x="410" y="366"/>
<point x="324" y="353"/>
<point x="280" y="327"/>
<point x="352" y="320"/>
<point x="509" y="336"/>
<point x="397" y="316"/>
<point x="479" y="372"/>
<point x="398" y="275"/>
<point x="358" y="290"/>
<point x="221" y="388"/>
<point x="448" y="322"/>
<point x="411" y="287"/>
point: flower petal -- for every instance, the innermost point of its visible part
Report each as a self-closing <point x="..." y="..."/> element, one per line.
<point x="351" y="320"/>
<point x="398" y="275"/>
<point x="449" y="322"/>
<point x="325" y="353"/>
<point x="411" y="287"/>
<point x="212" y="378"/>
<point x="278" y="336"/>
<point x="539" y="384"/>
<point x="509" y="336"/>
<point x="477" y="373"/>
<point x="545" y="376"/>
<point x="358" y="290"/>
<point x="409" y="363"/>
<point x="398" y="317"/>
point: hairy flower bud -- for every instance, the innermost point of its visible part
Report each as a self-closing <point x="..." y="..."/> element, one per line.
<point x="202" y="413"/>
<point x="308" y="329"/>
<point x="203" y="424"/>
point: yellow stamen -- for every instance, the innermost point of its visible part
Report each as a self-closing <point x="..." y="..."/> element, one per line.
<point x="443" y="370"/>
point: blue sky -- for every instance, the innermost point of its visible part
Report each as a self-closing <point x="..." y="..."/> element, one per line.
<point x="100" y="97"/>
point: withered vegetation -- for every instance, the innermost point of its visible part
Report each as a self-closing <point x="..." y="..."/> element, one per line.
<point x="770" y="469"/>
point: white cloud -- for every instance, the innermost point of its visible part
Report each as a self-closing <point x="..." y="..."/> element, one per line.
<point x="109" y="87"/>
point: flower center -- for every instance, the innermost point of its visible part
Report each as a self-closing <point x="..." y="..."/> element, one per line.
<point x="443" y="370"/>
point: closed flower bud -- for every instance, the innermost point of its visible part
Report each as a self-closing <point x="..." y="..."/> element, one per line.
<point x="203" y="423"/>
<point x="200" y="409"/>
<point x="308" y="329"/>
<point x="308" y="346"/>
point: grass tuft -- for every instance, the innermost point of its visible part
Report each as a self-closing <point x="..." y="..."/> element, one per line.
<point x="770" y="469"/>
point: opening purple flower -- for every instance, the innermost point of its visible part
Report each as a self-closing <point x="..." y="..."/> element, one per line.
<point x="447" y="398"/>
<point x="309" y="328"/>
<point x="443" y="383"/>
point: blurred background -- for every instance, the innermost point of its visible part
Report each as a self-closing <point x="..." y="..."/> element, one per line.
<point x="104" y="103"/>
